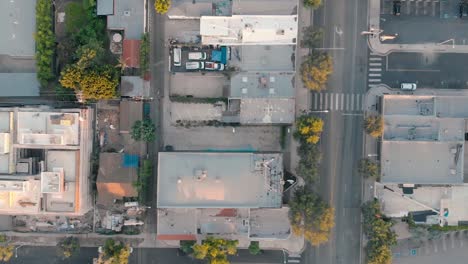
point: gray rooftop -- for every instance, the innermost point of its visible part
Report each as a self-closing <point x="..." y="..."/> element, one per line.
<point x="19" y="84"/>
<point x="18" y="25"/>
<point x="264" y="7"/>
<point x="183" y="9"/>
<point x="219" y="180"/>
<point x="262" y="85"/>
<point x="423" y="140"/>
<point x="128" y="16"/>
<point x="134" y="86"/>
<point x="267" y="111"/>
<point x="105" y="7"/>
<point x="263" y="58"/>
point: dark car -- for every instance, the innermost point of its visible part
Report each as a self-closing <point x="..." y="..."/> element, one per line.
<point x="462" y="9"/>
<point x="396" y="7"/>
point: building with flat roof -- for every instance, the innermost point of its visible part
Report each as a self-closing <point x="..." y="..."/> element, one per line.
<point x="128" y="15"/>
<point x="225" y="194"/>
<point x="41" y="154"/>
<point x="424" y="139"/>
<point x="249" y="30"/>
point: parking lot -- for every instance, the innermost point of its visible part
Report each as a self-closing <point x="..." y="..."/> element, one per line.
<point x="199" y="57"/>
<point x="424" y="21"/>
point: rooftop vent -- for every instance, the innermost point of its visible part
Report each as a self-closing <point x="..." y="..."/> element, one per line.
<point x="201" y="175"/>
<point x="127" y="13"/>
<point x="280" y="32"/>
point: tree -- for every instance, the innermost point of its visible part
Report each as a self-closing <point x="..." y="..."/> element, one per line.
<point x="312" y="37"/>
<point x="374" y="125"/>
<point x="143" y="130"/>
<point x="379" y="233"/>
<point x="308" y="129"/>
<point x="312" y="3"/>
<point x="254" y="248"/>
<point x="6" y="252"/>
<point x="309" y="161"/>
<point x="69" y="246"/>
<point x="162" y="6"/>
<point x="311" y="217"/>
<point x="215" y="250"/>
<point x="114" y="253"/>
<point x="368" y="168"/>
<point x="186" y="246"/>
<point x="45" y="41"/>
<point x="144" y="54"/>
<point x="315" y="71"/>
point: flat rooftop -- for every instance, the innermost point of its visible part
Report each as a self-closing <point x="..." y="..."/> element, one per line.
<point x="128" y="16"/>
<point x="267" y="111"/>
<point x="264" y="7"/>
<point x="262" y="85"/>
<point x="249" y="30"/>
<point x="18" y="26"/>
<point x="262" y="58"/>
<point x="219" y="180"/>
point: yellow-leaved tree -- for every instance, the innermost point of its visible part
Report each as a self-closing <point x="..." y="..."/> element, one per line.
<point x="374" y="125"/>
<point x="309" y="129"/>
<point x="311" y="217"/>
<point x="215" y="250"/>
<point x="162" y="6"/>
<point x="316" y="70"/>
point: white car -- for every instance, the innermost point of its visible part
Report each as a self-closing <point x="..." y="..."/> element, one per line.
<point x="213" y="66"/>
<point x="194" y="65"/>
<point x="408" y="86"/>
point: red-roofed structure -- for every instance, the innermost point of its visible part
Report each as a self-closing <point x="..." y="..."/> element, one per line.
<point x="131" y="52"/>
<point x="176" y="237"/>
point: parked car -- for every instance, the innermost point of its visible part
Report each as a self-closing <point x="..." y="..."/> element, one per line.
<point x="462" y="9"/>
<point x="213" y="66"/>
<point x="408" y="86"/>
<point x="194" y="65"/>
<point x="198" y="55"/>
<point x="177" y="57"/>
<point x="396" y="7"/>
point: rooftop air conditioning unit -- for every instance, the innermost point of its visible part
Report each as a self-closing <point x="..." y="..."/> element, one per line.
<point x="127" y="13"/>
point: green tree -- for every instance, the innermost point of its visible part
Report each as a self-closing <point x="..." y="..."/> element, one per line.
<point x="45" y="41"/>
<point x="114" y="253"/>
<point x="379" y="233"/>
<point x="374" y="125"/>
<point x="312" y="37"/>
<point x="311" y="217"/>
<point x="143" y="130"/>
<point x="186" y="246"/>
<point x="312" y="3"/>
<point x="144" y="54"/>
<point x="368" y="168"/>
<point x="315" y="71"/>
<point x="254" y="248"/>
<point x="69" y="246"/>
<point x="162" y="6"/>
<point x="215" y="250"/>
<point x="309" y="161"/>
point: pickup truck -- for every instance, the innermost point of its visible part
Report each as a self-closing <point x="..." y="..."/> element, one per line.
<point x="213" y="66"/>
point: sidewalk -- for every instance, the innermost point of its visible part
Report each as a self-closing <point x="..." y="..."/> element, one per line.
<point x="384" y="49"/>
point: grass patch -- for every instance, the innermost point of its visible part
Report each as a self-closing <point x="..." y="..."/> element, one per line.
<point x="45" y="42"/>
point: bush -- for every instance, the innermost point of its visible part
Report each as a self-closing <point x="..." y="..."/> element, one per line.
<point x="215" y="250"/>
<point x="45" y="41"/>
<point x="312" y="37"/>
<point x="308" y="129"/>
<point x="186" y="246"/>
<point x="162" y="6"/>
<point x="69" y="247"/>
<point x="144" y="174"/>
<point x="315" y="71"/>
<point x="143" y="130"/>
<point x="312" y="3"/>
<point x="114" y="253"/>
<point x="368" y="168"/>
<point x="76" y="17"/>
<point x="144" y="54"/>
<point x="254" y="248"/>
<point x="374" y="126"/>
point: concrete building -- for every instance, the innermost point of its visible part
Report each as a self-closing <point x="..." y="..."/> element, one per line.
<point x="423" y="158"/>
<point x="43" y="161"/>
<point x="225" y="194"/>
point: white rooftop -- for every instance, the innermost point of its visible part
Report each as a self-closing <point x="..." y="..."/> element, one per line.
<point x="219" y="180"/>
<point x="249" y="30"/>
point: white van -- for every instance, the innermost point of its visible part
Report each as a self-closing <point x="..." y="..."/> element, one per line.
<point x="408" y="86"/>
<point x="199" y="55"/>
<point x="194" y="65"/>
<point x="177" y="57"/>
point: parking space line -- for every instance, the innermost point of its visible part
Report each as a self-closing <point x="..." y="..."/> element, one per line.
<point x="412" y="70"/>
<point x="444" y="244"/>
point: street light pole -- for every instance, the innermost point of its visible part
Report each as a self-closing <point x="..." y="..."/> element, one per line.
<point x="16" y="251"/>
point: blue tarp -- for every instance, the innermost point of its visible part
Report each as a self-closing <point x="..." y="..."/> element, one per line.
<point x="220" y="55"/>
<point x="130" y="161"/>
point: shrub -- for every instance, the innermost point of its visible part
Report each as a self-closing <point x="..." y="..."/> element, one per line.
<point x="254" y="248"/>
<point x="144" y="54"/>
<point x="315" y="71"/>
<point x="312" y="3"/>
<point x="69" y="246"/>
<point x="368" y="168"/>
<point x="143" y="130"/>
<point x="374" y="125"/>
<point x="45" y="41"/>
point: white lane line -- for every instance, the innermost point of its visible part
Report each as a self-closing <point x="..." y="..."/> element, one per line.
<point x="331" y="101"/>
<point x="375" y="74"/>
<point x="352" y="102"/>
<point x="444" y="244"/>
<point x="342" y="101"/>
<point x="321" y="101"/>
<point x="374" y="54"/>
<point x="375" y="80"/>
<point x="345" y="187"/>
<point x="375" y="64"/>
<point x="375" y="69"/>
<point x="315" y="100"/>
<point x="347" y="101"/>
<point x="375" y="58"/>
<point x="293" y="261"/>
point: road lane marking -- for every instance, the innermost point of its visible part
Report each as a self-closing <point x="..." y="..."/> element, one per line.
<point x="326" y="101"/>
<point x="358" y="100"/>
<point x="315" y="100"/>
<point x="342" y="102"/>
<point x="375" y="80"/>
<point x="435" y="246"/>
<point x="375" y="69"/>
<point x="331" y="101"/>
<point x="375" y="59"/>
<point x="352" y="102"/>
<point x="321" y="101"/>
<point x="347" y="101"/>
<point x="375" y="74"/>
<point x="337" y="101"/>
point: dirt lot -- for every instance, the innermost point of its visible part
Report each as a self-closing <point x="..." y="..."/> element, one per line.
<point x="210" y="85"/>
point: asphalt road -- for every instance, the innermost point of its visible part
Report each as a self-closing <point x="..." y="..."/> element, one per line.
<point x="342" y="140"/>
<point x="428" y="70"/>
<point x="35" y="255"/>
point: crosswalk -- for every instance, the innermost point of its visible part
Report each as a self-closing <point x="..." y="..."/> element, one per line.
<point x="294" y="258"/>
<point x="375" y="69"/>
<point x="413" y="7"/>
<point x="346" y="102"/>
